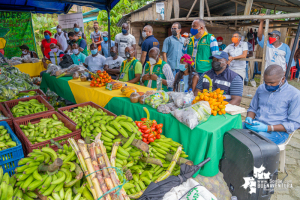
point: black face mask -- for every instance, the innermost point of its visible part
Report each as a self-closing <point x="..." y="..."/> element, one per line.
<point x="174" y="33"/>
<point x="73" y="41"/>
<point x="216" y="66"/>
<point x="127" y="54"/>
<point x="113" y="54"/>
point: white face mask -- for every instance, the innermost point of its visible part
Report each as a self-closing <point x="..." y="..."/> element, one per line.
<point x="59" y="30"/>
<point x="144" y="34"/>
<point x="75" y="51"/>
<point x="54" y="50"/>
<point x="152" y="61"/>
<point x="25" y="52"/>
<point x="219" y="43"/>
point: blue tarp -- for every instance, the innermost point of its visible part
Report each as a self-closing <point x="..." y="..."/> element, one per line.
<point x="53" y="6"/>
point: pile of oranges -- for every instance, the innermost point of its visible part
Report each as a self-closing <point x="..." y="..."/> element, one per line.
<point x="215" y="100"/>
<point x="100" y="79"/>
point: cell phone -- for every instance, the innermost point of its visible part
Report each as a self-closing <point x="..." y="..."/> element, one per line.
<point x="249" y="123"/>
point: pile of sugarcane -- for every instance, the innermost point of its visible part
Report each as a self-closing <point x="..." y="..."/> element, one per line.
<point x="97" y="168"/>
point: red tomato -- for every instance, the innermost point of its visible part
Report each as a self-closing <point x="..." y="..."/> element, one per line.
<point x="140" y="130"/>
<point x="152" y="129"/>
<point x="97" y="85"/>
<point x="143" y="127"/>
<point x="159" y="131"/>
<point x="151" y="139"/>
<point x="154" y="122"/>
<point x="158" y="126"/>
<point x="158" y="136"/>
<point x="138" y="124"/>
<point x="146" y="135"/>
<point x="155" y="133"/>
<point x="150" y="136"/>
<point x="98" y="71"/>
<point x="154" y="138"/>
<point x="147" y="131"/>
<point x="143" y="119"/>
<point x="145" y="140"/>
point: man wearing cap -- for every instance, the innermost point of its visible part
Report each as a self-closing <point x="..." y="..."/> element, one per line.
<point x="277" y="52"/>
<point x="104" y="44"/>
<point x="172" y="48"/>
<point x="25" y="52"/>
<point x="223" y="78"/>
<point x="220" y="43"/>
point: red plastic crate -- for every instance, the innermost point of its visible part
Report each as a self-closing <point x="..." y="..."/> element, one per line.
<point x="10" y="104"/>
<point x="76" y="134"/>
<point x="72" y="107"/>
<point x="6" y="114"/>
<point x="38" y="91"/>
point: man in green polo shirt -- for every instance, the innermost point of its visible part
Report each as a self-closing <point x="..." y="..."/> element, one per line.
<point x="131" y="69"/>
<point x="201" y="46"/>
<point x="156" y="67"/>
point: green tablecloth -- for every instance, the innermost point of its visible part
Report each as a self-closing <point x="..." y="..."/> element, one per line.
<point x="206" y="140"/>
<point x="60" y="86"/>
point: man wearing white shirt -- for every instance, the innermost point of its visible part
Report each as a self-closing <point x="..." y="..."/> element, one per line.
<point x="95" y="61"/>
<point x="62" y="38"/>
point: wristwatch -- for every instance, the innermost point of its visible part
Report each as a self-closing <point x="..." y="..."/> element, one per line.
<point x="272" y="128"/>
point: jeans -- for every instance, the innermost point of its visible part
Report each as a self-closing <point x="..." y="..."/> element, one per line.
<point x="200" y="74"/>
<point x="276" y="137"/>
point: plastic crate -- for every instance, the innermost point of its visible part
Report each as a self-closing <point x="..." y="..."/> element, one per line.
<point x="5" y="113"/>
<point x="38" y="91"/>
<point x="76" y="134"/>
<point x="72" y="107"/>
<point x="9" y="158"/>
<point x="10" y="104"/>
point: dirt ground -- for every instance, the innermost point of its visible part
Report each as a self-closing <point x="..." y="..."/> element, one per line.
<point x="292" y="157"/>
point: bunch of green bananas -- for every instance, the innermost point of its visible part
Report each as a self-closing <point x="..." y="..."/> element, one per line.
<point x="28" y="107"/>
<point x="44" y="172"/>
<point x="26" y="94"/>
<point x="5" y="139"/>
<point x="6" y="185"/>
<point x="46" y="129"/>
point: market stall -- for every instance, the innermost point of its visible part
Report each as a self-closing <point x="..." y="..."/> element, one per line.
<point x="206" y="140"/>
<point x="33" y="69"/>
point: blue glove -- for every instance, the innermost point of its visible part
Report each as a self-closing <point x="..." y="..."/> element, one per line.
<point x="259" y="127"/>
<point x="250" y="121"/>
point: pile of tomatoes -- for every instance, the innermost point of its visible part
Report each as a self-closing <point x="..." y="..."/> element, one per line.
<point x="100" y="79"/>
<point x="150" y="129"/>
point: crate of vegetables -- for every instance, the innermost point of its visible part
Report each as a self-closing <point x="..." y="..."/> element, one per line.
<point x="11" y="150"/>
<point x="86" y="116"/>
<point x="35" y="132"/>
<point x="28" y="106"/>
<point x="4" y="116"/>
<point x="28" y="93"/>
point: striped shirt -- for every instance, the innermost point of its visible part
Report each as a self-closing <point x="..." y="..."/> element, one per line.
<point x="214" y="47"/>
<point x="55" y="57"/>
<point x="236" y="86"/>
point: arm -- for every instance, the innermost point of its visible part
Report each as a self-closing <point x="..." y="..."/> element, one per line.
<point x="214" y="47"/>
<point x="235" y="100"/>
<point x="250" y="54"/>
<point x="135" y="51"/>
<point x="260" y="28"/>
<point x="244" y="55"/>
<point x="195" y="81"/>
<point x="143" y="57"/>
<point x="165" y="50"/>
<point x="45" y="63"/>
<point x="236" y="91"/>
<point x="59" y="45"/>
<point x="34" y="55"/>
<point x="165" y="57"/>
<point x="253" y="105"/>
<point x="138" y="70"/>
<point x="199" y="86"/>
<point x="136" y="79"/>
<point x="82" y="45"/>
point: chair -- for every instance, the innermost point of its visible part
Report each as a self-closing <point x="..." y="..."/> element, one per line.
<point x="293" y="72"/>
<point x="282" y="152"/>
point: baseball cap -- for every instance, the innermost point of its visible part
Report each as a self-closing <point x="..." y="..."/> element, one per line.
<point x="220" y="55"/>
<point x="185" y="35"/>
<point x="275" y="32"/>
<point x="24" y="46"/>
<point x="105" y="34"/>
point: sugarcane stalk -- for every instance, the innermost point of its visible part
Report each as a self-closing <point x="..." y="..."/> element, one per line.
<point x="152" y="161"/>
<point x="114" y="153"/>
<point x="112" y="171"/>
<point x="91" y="170"/>
<point x="168" y="172"/>
<point x="75" y="148"/>
<point x="98" y="173"/>
<point x="180" y="160"/>
<point x="53" y="167"/>
<point x="79" y="175"/>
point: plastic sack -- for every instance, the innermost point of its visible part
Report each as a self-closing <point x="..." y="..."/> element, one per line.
<point x="154" y="100"/>
<point x="193" y="115"/>
<point x="70" y="70"/>
<point x="26" y="59"/>
<point x="164" y="96"/>
<point x="181" y="99"/>
<point x="167" y="108"/>
<point x="35" y="60"/>
<point x="51" y="68"/>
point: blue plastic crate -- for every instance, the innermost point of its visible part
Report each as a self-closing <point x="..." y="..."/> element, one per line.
<point x="9" y="158"/>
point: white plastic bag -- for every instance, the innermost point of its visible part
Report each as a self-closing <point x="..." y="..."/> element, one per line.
<point x="189" y="190"/>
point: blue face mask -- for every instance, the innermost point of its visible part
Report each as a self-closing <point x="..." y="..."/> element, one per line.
<point x="94" y="51"/>
<point x="182" y="67"/>
<point x="194" y="31"/>
<point x="105" y="39"/>
<point x="271" y="88"/>
<point x="124" y="31"/>
<point x="76" y="29"/>
<point x="47" y="37"/>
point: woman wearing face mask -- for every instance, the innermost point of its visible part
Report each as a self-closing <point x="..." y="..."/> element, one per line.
<point x="77" y="57"/>
<point x="77" y="31"/>
<point x="131" y="68"/>
<point x="187" y="73"/>
<point x="25" y="52"/>
<point x="45" y="46"/>
<point x="104" y="44"/>
<point x="223" y="78"/>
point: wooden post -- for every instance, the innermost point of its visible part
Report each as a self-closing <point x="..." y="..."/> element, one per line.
<point x="207" y="9"/>
<point x="248" y="7"/>
<point x="169" y="10"/>
<point x="176" y="8"/>
<point x="191" y="9"/>
<point x="236" y="6"/>
<point x="264" y="51"/>
<point x="201" y="9"/>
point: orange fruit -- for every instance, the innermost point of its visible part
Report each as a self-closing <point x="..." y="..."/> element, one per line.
<point x="224" y="103"/>
<point x="197" y="98"/>
<point x="201" y="96"/>
<point x="221" y="106"/>
<point x="218" y="90"/>
<point x="206" y="94"/>
<point x="206" y="98"/>
<point x="199" y="93"/>
<point x="211" y="94"/>
<point x="98" y="79"/>
<point x="223" y="111"/>
<point x="214" y="113"/>
<point x="92" y="85"/>
<point x="205" y="90"/>
<point x="215" y="96"/>
<point x="219" y="112"/>
<point x="106" y="80"/>
<point x="97" y="85"/>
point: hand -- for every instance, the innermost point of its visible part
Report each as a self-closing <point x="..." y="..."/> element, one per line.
<point x="249" y="120"/>
<point x="259" y="127"/>
<point x="43" y="60"/>
<point x="186" y="41"/>
<point x="262" y="14"/>
<point x="153" y="77"/>
<point x="146" y="77"/>
<point x="230" y="58"/>
<point x="228" y="62"/>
